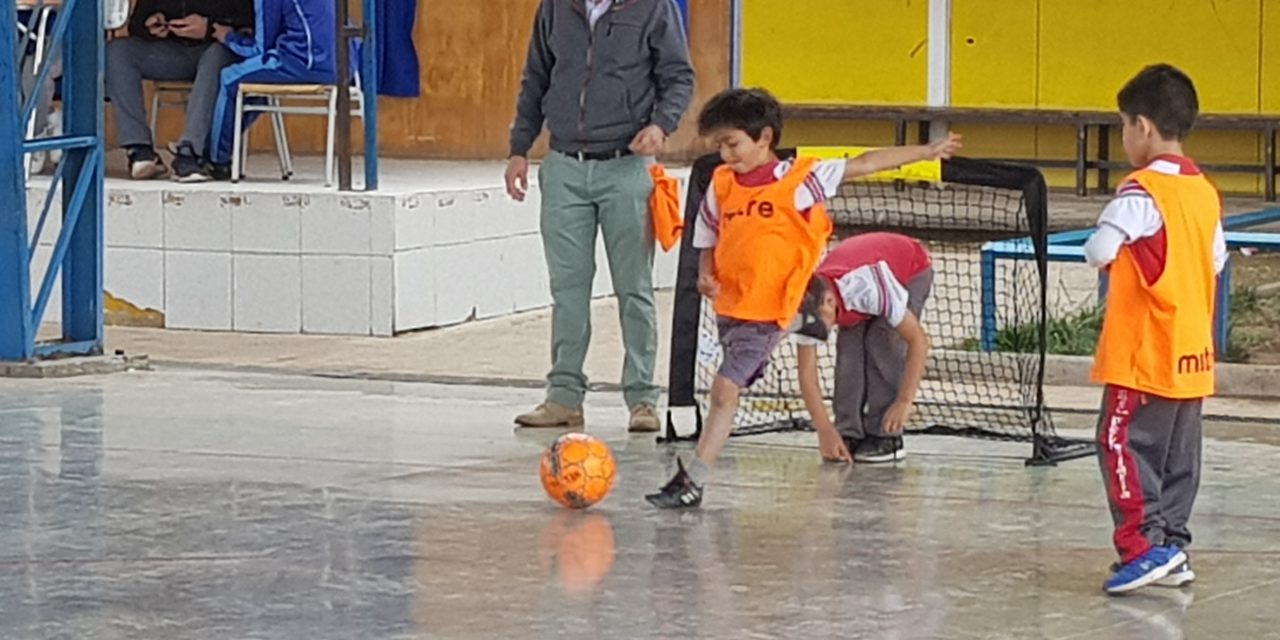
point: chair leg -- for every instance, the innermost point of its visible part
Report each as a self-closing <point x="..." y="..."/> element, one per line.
<point x="236" y="139"/>
<point x="29" y="159"/>
<point x="42" y="34"/>
<point x="287" y="151"/>
<point x="328" y="152"/>
<point x="154" y="116"/>
<point x="275" y="135"/>
<point x="282" y="141"/>
<point x="244" y="156"/>
<point x="359" y="113"/>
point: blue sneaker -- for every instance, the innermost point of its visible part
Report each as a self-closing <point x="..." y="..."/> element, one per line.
<point x="1181" y="576"/>
<point x="1150" y="567"/>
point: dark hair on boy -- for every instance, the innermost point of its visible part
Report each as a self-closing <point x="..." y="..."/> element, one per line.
<point x="1165" y="96"/>
<point x="808" y="321"/>
<point x="750" y="110"/>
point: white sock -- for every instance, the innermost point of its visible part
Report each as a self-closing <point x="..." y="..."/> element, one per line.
<point x="698" y="471"/>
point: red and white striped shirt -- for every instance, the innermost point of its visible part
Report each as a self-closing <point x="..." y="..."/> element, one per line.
<point x="1132" y="218"/>
<point x="870" y="273"/>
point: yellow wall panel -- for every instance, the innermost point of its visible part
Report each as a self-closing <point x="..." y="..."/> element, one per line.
<point x="1059" y="143"/>
<point x="833" y="51"/>
<point x="997" y="141"/>
<point x="1089" y="48"/>
<point x="1028" y="53"/>
<point x="1210" y="147"/>
<point x="835" y="133"/>
<point x="993" y="53"/>
<point x="1270" y="82"/>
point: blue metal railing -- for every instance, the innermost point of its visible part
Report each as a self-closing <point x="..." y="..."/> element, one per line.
<point x="77" y="253"/>
<point x="1068" y="246"/>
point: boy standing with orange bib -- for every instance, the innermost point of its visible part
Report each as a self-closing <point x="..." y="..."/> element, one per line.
<point x="762" y="229"/>
<point x="1162" y="244"/>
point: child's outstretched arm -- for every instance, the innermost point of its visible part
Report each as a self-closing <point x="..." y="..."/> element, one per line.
<point x="893" y="157"/>
<point x="917" y="354"/>
<point x="830" y="444"/>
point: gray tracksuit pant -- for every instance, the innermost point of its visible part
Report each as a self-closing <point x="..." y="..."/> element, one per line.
<point x="869" y="361"/>
<point x="1149" y="453"/>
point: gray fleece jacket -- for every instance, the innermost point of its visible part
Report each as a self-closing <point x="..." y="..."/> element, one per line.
<point x="596" y="88"/>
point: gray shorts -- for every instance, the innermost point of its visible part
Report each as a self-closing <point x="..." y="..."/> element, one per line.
<point x="747" y="347"/>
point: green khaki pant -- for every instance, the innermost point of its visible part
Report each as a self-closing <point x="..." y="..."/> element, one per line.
<point x="578" y="197"/>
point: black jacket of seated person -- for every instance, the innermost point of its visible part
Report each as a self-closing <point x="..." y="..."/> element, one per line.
<point x="237" y="14"/>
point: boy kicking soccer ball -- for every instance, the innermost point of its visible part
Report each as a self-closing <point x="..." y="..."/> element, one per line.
<point x="1162" y="244"/>
<point x="761" y="230"/>
<point x="873" y="287"/>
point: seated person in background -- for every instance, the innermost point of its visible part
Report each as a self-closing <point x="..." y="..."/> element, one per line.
<point x="174" y="41"/>
<point x="294" y="42"/>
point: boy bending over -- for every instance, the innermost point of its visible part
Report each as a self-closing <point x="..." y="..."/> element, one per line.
<point x="873" y="287"/>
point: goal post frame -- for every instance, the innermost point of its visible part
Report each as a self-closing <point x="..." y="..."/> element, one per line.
<point x="1047" y="448"/>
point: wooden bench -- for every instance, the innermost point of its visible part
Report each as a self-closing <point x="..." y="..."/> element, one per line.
<point x="1082" y="120"/>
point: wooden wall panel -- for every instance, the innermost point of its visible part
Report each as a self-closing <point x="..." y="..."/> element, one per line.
<point x="710" y="36"/>
<point x="471" y="55"/>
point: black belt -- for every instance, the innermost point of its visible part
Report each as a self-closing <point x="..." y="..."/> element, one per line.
<point x="583" y="156"/>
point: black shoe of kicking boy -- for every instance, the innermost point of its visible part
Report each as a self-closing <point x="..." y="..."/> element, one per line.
<point x="878" y="450"/>
<point x="679" y="493"/>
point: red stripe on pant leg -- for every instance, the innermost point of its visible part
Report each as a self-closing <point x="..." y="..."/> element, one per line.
<point x="1120" y="472"/>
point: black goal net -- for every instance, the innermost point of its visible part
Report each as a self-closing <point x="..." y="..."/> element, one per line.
<point x="985" y="225"/>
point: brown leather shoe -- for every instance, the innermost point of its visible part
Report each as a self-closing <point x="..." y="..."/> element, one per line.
<point x="551" y="415"/>
<point x="644" y="419"/>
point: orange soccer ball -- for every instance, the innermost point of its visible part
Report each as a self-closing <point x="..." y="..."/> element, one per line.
<point x="577" y="470"/>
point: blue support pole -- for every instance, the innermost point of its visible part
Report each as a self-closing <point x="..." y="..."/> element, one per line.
<point x="988" y="339"/>
<point x="16" y="332"/>
<point x="82" y="95"/>
<point x="1222" y="312"/>
<point x="370" y="71"/>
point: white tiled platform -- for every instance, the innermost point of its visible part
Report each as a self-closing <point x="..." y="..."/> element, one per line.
<point x="438" y="244"/>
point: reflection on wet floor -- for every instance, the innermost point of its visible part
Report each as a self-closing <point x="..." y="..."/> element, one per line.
<point x="199" y="505"/>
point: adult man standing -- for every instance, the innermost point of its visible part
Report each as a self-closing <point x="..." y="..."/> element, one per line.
<point x="610" y="79"/>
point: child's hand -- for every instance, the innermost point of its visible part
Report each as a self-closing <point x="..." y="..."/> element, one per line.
<point x="897" y="416"/>
<point x="832" y="448"/>
<point x="945" y="148"/>
<point x="708" y="286"/>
